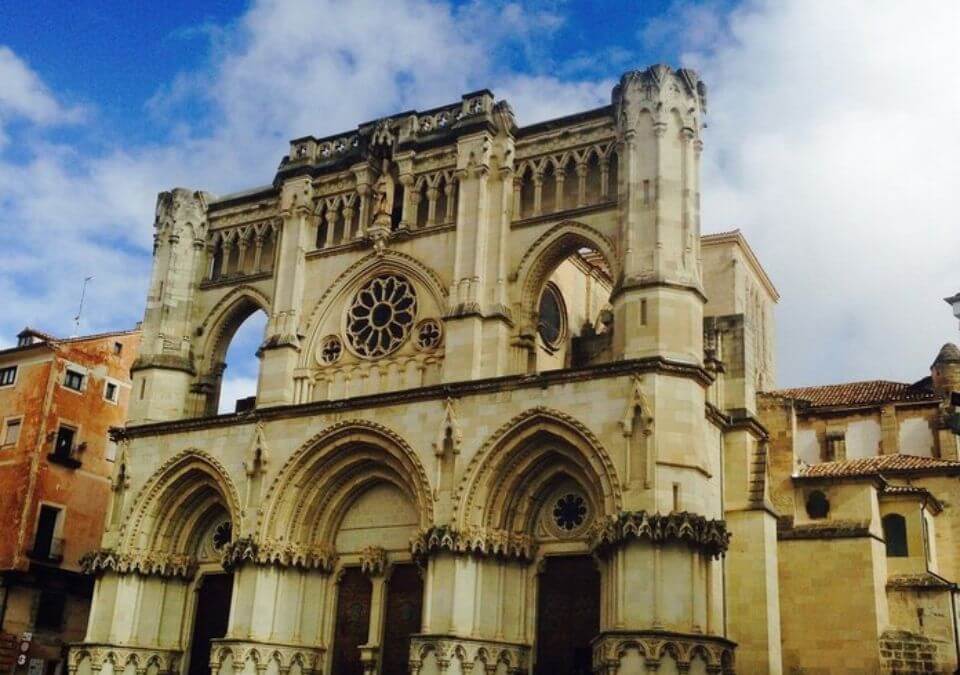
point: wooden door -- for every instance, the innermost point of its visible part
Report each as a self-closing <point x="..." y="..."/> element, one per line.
<point x="568" y="615"/>
<point x="402" y="619"/>
<point x="353" y="622"/>
<point x="211" y="616"/>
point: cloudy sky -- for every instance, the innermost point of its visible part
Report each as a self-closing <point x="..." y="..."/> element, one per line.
<point x="832" y="138"/>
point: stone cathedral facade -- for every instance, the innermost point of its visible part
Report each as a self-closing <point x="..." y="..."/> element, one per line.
<point x="506" y="417"/>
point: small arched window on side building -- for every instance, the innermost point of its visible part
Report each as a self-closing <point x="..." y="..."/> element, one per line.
<point x="895" y="535"/>
<point x="818" y="506"/>
<point x="552" y="323"/>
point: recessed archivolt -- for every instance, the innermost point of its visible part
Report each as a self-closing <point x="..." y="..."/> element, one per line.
<point x="178" y="501"/>
<point x="552" y="248"/>
<point x="526" y="457"/>
<point x="335" y="295"/>
<point x="226" y="316"/>
<point x="319" y="482"/>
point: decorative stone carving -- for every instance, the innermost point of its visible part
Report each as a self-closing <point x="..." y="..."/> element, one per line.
<point x="309" y="658"/>
<point x="476" y="656"/>
<point x="381" y="316"/>
<point x="147" y="563"/>
<point x="610" y="647"/>
<point x="373" y="561"/>
<point x="245" y="550"/>
<point x="166" y="661"/>
<point x="709" y="536"/>
<point x="474" y="541"/>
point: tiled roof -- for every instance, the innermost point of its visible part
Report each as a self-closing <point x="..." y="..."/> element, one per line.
<point x="881" y="465"/>
<point x="871" y="392"/>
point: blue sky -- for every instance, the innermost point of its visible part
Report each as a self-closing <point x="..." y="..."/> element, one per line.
<point x="831" y="127"/>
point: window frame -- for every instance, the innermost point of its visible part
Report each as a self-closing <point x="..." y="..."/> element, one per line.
<point x="892" y="550"/>
<point x="4" y="430"/>
<point x="72" y="370"/>
<point x="16" y="375"/>
<point x="555" y="345"/>
<point x="116" y="391"/>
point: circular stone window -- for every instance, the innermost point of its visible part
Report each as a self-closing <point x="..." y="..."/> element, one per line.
<point x="552" y="317"/>
<point x="569" y="512"/>
<point x="222" y="535"/>
<point x="381" y="315"/>
<point x="330" y="350"/>
<point x="429" y="335"/>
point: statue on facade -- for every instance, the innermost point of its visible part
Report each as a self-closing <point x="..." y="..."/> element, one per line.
<point x="383" y="192"/>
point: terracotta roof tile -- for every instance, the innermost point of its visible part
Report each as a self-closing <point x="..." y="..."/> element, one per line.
<point x="881" y="465"/>
<point x="870" y="392"/>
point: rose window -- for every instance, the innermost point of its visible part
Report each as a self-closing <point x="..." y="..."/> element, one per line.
<point x="330" y="349"/>
<point x="380" y="318"/>
<point x="222" y="535"/>
<point x="429" y="335"/>
<point x="569" y="512"/>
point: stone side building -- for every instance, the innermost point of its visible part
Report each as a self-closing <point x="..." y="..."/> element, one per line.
<point x="58" y="400"/>
<point x="507" y="417"/>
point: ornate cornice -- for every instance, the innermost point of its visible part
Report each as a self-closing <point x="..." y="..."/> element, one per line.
<point x="656" y="364"/>
<point x="146" y="563"/>
<point x="247" y="551"/>
<point x="96" y="654"/>
<point x="709" y="536"/>
<point x="473" y="541"/>
<point x="477" y="656"/>
<point x="610" y="646"/>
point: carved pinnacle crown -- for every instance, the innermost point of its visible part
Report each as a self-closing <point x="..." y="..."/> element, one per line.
<point x="660" y="81"/>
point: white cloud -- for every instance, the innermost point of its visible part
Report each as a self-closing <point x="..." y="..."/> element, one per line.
<point x="832" y="144"/>
<point x="23" y="95"/>
<point x="282" y="70"/>
<point x="234" y="389"/>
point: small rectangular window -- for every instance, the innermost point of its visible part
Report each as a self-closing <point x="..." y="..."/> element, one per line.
<point x="63" y="446"/>
<point x="73" y="380"/>
<point x="45" y="543"/>
<point x="7" y="376"/>
<point x="11" y="434"/>
<point x="110" y="450"/>
<point x="117" y="347"/>
<point x="111" y="391"/>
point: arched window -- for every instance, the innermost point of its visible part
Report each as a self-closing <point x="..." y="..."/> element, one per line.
<point x="818" y="506"/>
<point x="552" y="317"/>
<point x="895" y="534"/>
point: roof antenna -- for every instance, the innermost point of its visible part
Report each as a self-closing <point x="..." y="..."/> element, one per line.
<point x="76" y="319"/>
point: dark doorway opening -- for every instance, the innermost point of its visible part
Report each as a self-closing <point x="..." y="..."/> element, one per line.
<point x="568" y="615"/>
<point x="210" y="619"/>
<point x="404" y="608"/>
<point x="353" y="622"/>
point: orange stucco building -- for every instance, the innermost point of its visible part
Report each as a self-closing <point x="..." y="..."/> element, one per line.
<point x="58" y="400"/>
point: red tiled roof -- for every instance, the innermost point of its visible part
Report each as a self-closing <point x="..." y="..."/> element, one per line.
<point x="881" y="465"/>
<point x="871" y="392"/>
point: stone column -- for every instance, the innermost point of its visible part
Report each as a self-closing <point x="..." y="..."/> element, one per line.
<point x="280" y="350"/>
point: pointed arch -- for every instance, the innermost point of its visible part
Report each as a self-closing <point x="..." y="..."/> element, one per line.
<point x="524" y="458"/>
<point x="335" y="295"/>
<point x="549" y="250"/>
<point x="227" y="315"/>
<point x="319" y="482"/>
<point x="177" y="503"/>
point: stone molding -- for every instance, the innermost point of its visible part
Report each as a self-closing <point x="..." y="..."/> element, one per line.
<point x="373" y="561"/>
<point x="310" y="659"/>
<point x="484" y="542"/>
<point x="830" y="529"/>
<point x="167" y="661"/>
<point x="709" y="536"/>
<point x="146" y="563"/>
<point x="505" y="383"/>
<point x="247" y="551"/>
<point x="479" y="657"/>
<point x="610" y="647"/>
